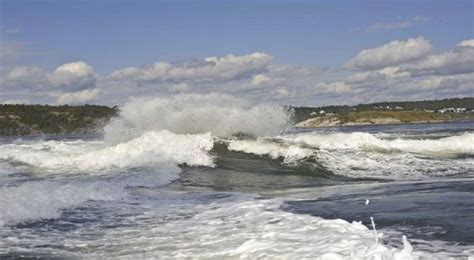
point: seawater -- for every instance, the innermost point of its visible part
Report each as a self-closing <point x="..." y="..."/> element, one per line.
<point x="162" y="182"/>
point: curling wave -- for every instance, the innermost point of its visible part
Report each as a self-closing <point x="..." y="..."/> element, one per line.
<point x="153" y="148"/>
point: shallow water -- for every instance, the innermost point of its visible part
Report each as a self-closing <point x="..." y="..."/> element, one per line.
<point x="288" y="195"/>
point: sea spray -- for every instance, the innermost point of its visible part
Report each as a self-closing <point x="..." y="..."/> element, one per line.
<point x="219" y="114"/>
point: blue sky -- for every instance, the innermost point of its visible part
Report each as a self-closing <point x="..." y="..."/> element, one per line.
<point x="112" y="35"/>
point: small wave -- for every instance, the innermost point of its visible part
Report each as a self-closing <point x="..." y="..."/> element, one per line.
<point x="291" y="154"/>
<point x="460" y="144"/>
<point x="365" y="155"/>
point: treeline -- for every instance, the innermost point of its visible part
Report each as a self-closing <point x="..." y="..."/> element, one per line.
<point x="303" y="113"/>
<point x="35" y="119"/>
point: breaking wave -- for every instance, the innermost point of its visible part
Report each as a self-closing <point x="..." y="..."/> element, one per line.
<point x="153" y="148"/>
<point x="444" y="147"/>
<point x="366" y="155"/>
<point x="219" y="114"/>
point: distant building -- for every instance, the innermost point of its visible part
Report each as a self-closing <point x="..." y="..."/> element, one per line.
<point x="453" y="110"/>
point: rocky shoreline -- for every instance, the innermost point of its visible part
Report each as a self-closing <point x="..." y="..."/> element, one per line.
<point x="335" y="121"/>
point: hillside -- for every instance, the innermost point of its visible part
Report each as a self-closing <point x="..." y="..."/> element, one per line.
<point x="447" y="110"/>
<point x="45" y="119"/>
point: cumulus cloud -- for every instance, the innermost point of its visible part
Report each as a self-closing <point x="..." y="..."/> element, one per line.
<point x="70" y="77"/>
<point x="26" y="75"/>
<point x="226" y="68"/>
<point x="457" y="61"/>
<point x="79" y="97"/>
<point x="397" y="70"/>
<point x="260" y="79"/>
<point x="377" y="75"/>
<point x="75" y="76"/>
<point x="467" y="43"/>
<point x="179" y="88"/>
<point x="391" y="54"/>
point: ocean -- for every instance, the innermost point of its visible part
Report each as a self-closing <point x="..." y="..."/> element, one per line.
<point x="214" y="177"/>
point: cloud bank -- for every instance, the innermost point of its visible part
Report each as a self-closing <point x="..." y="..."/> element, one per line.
<point x="399" y="69"/>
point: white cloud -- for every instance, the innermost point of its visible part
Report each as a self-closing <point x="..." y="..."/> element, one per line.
<point x="210" y="69"/>
<point x="391" y="54"/>
<point x="260" y="79"/>
<point x="70" y="76"/>
<point x="467" y="43"/>
<point x="79" y="97"/>
<point x="179" y="88"/>
<point x="397" y="70"/>
<point x="15" y="101"/>
<point x="338" y="87"/>
<point x="282" y="92"/>
<point x="457" y="61"/>
<point x="26" y="75"/>
<point x="75" y="75"/>
<point x="292" y="70"/>
<point x="389" y="26"/>
<point x="377" y="75"/>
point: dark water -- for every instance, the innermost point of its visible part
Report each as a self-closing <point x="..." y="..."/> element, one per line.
<point x="416" y="178"/>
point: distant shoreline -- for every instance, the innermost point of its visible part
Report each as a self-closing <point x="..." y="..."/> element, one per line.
<point x="383" y="118"/>
<point x="23" y="120"/>
<point x="386" y="113"/>
<point x="383" y="124"/>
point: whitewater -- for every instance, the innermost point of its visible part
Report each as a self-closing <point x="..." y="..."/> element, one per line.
<point x="217" y="177"/>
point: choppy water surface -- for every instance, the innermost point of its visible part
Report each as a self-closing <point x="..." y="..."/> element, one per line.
<point x="177" y="190"/>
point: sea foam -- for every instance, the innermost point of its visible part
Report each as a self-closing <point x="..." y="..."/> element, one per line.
<point x="222" y="115"/>
<point x="45" y="199"/>
<point x="366" y="155"/>
<point x="153" y="148"/>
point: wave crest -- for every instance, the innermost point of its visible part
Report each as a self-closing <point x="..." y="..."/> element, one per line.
<point x="222" y="115"/>
<point x="158" y="148"/>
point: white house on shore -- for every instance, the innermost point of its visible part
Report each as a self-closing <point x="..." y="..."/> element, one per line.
<point x="453" y="110"/>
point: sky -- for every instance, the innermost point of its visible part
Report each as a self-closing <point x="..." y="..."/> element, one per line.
<point x="287" y="52"/>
